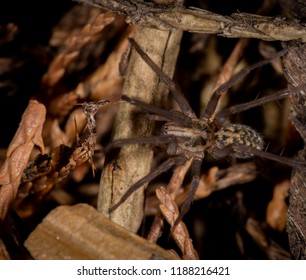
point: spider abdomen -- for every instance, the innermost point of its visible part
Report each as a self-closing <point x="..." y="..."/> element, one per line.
<point x="238" y="135"/>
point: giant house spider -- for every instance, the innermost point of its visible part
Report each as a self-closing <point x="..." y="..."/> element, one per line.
<point x="188" y="136"/>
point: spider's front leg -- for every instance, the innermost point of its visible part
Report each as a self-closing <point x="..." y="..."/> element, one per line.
<point x="195" y="173"/>
<point x="151" y="140"/>
<point x="175" y="116"/>
<point x="165" y="166"/>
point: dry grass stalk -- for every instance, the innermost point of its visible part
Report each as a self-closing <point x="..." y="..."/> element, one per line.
<point x="27" y="136"/>
<point x="180" y="233"/>
<point x="72" y="47"/>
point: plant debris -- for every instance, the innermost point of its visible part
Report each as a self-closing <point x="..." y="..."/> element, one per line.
<point x="62" y="74"/>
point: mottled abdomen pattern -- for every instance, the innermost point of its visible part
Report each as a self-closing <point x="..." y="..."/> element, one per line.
<point x="238" y="134"/>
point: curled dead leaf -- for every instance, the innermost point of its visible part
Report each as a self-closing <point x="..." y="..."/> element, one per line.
<point x="27" y="136"/>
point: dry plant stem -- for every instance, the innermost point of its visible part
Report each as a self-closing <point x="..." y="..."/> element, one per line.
<point x="180" y="233"/>
<point x="134" y="162"/>
<point x="238" y="25"/>
<point x="27" y="136"/>
<point x="172" y="188"/>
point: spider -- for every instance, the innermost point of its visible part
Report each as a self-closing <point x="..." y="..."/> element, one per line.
<point x="188" y="136"/>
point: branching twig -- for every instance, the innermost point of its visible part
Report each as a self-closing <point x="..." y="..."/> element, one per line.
<point x="238" y="25"/>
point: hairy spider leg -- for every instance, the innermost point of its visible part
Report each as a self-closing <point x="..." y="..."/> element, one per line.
<point x="165" y="166"/>
<point x="254" y="103"/>
<point x="177" y="94"/>
<point x="175" y="116"/>
<point x="156" y="140"/>
<point x="195" y="173"/>
<point x="281" y="159"/>
<point x="214" y="99"/>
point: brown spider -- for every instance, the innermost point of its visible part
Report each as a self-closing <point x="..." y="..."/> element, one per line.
<point x="188" y="136"/>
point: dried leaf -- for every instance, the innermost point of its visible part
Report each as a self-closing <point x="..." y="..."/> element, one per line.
<point x="27" y="136"/>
